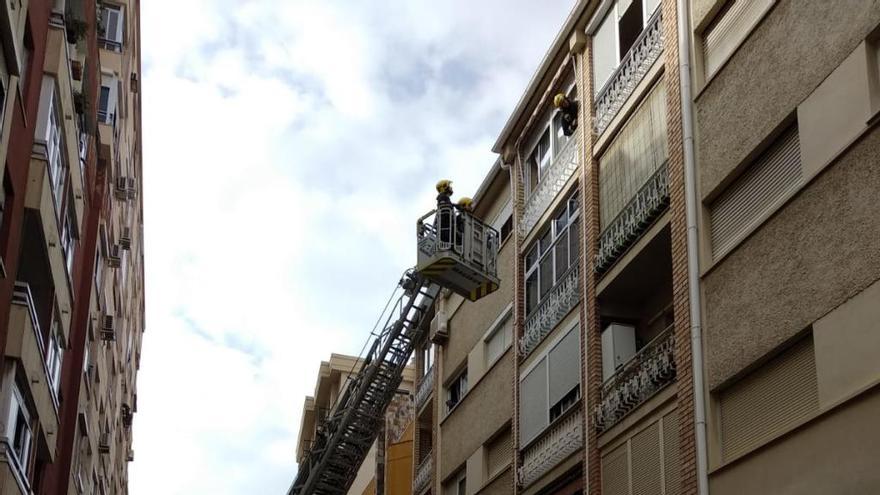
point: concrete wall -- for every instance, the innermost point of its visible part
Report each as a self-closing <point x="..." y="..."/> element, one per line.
<point x="781" y="63"/>
<point x="836" y="453"/>
<point x="813" y="255"/>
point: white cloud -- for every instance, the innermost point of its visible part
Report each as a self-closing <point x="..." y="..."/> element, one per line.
<point x="289" y="148"/>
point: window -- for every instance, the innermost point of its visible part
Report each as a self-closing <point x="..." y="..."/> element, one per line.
<point x="55" y="352"/>
<point x="499" y="339"/>
<point x="551" y="256"/>
<point x="19" y="430"/>
<point x="456" y="390"/>
<point x="551" y="387"/>
<point x="427" y="358"/>
<point x="458" y="484"/>
<point x="112" y="23"/>
<point x="503" y="221"/>
<point x="548" y="146"/>
<point x="617" y="33"/>
<point x="4" y="87"/>
<point x="734" y="21"/>
<point x="69" y="232"/>
<point x="56" y="153"/>
<point x="506" y="228"/>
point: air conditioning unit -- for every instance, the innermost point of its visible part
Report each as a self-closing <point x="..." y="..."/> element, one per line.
<point x="115" y="258"/>
<point x="125" y="239"/>
<point x="131" y="187"/>
<point x="618" y="347"/>
<point x="104" y="443"/>
<point x="108" y="328"/>
<point x="439" y="328"/>
<point x="121" y="188"/>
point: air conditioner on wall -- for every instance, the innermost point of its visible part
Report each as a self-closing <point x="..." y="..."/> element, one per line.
<point x="439" y="328"/>
<point x="618" y="347"/>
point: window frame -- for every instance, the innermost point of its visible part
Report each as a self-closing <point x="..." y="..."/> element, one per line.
<point x="458" y="386"/>
<point x="600" y="18"/>
<point x="498" y="326"/>
<point x="21" y="441"/>
<point x="571" y="210"/>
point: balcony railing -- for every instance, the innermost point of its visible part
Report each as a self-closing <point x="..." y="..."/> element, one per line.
<point x="426" y="386"/>
<point x="632" y="69"/>
<point x="651" y="369"/>
<point x="564" y="296"/>
<point x="108" y="44"/>
<point x="562" y="439"/>
<point x="22" y="296"/>
<point x="631" y="222"/>
<point x="423" y="474"/>
<point x="553" y="180"/>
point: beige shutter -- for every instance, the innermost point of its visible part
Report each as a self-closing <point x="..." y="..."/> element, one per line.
<point x="645" y="458"/>
<point x="671" y="465"/>
<point x="635" y="154"/>
<point x="760" y="189"/>
<point x="565" y="366"/>
<point x="615" y="472"/>
<point x="729" y="29"/>
<point x="534" y="413"/>
<point x="499" y="453"/>
<point x="770" y="400"/>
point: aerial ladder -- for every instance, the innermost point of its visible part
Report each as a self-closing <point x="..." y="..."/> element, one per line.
<point x="456" y="251"/>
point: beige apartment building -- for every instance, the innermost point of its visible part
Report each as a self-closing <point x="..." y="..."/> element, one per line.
<point x="463" y="400"/>
<point x="388" y="464"/>
<point x="786" y="98"/>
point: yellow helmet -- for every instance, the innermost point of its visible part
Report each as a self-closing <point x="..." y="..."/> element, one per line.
<point x="558" y="100"/>
<point x="444" y="186"/>
<point x="466" y="203"/>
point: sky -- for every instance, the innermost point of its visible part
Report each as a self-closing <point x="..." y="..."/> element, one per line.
<point x="289" y="147"/>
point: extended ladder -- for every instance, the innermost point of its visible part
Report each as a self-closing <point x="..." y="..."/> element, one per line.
<point x="345" y="437"/>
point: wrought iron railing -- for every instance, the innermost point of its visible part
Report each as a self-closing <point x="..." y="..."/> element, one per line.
<point x="631" y="222"/>
<point x="423" y="474"/>
<point x="554" y="178"/>
<point x="562" y="439"/>
<point x="562" y="297"/>
<point x="651" y="369"/>
<point x="632" y="69"/>
<point x="426" y="386"/>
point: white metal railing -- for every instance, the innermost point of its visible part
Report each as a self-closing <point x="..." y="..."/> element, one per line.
<point x="423" y="474"/>
<point x="552" y="181"/>
<point x="632" y="69"/>
<point x="562" y="439"/>
<point x="562" y="297"/>
<point x="632" y="221"/>
<point x="651" y="369"/>
<point x="426" y="386"/>
<point x="450" y="229"/>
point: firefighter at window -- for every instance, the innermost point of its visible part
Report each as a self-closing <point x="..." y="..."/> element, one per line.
<point x="568" y="108"/>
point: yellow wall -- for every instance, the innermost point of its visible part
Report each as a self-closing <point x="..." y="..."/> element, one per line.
<point x="399" y="465"/>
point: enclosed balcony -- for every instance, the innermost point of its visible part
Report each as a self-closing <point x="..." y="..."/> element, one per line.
<point x="626" y="44"/>
<point x="633" y="180"/>
<point x="562" y="439"/>
<point x="551" y="179"/>
<point x="636" y="316"/>
<point x="425" y="388"/>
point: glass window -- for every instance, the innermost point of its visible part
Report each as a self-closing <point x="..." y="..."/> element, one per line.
<point x="456" y="390"/>
<point x="499" y="341"/>
<point x="19" y="430"/>
<point x="553" y="254"/>
<point x="622" y="26"/>
<point x="538" y="160"/>
<point x="69" y="232"/>
<point x="55" y="353"/>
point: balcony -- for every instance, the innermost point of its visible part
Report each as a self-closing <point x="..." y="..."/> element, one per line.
<point x="648" y="202"/>
<point x="632" y="69"/>
<point x="551" y="182"/>
<point x="426" y="386"/>
<point x="559" y="441"/>
<point x="424" y="474"/>
<point x="564" y="296"/>
<point x="650" y="370"/>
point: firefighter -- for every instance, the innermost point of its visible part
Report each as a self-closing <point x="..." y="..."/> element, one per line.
<point x="465" y="207"/>
<point x="569" y="109"/>
<point x="445" y="215"/>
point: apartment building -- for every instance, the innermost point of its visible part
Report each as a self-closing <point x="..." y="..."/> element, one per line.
<point x="463" y="400"/>
<point x="786" y="99"/>
<point x="71" y="298"/>
<point x="388" y="466"/>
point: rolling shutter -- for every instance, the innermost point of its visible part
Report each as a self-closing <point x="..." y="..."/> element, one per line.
<point x="565" y="366"/>
<point x="731" y="26"/>
<point x="646" y="459"/>
<point x="769" y="401"/>
<point x="499" y="453"/>
<point x="760" y="189"/>
<point x="534" y="413"/>
<point x="615" y="472"/>
<point x="671" y="466"/>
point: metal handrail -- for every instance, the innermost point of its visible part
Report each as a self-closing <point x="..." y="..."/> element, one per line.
<point x="563" y="296"/>
<point x="423" y="473"/>
<point x="426" y="386"/>
<point x="549" y="185"/>
<point x="454" y="230"/>
<point x="562" y="438"/>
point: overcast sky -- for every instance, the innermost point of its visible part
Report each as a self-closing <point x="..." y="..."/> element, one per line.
<point x="288" y="149"/>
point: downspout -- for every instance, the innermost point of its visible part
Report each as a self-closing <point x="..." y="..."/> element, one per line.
<point x="691" y="202"/>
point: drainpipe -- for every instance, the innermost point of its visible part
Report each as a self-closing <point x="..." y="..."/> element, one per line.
<point x="691" y="202"/>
